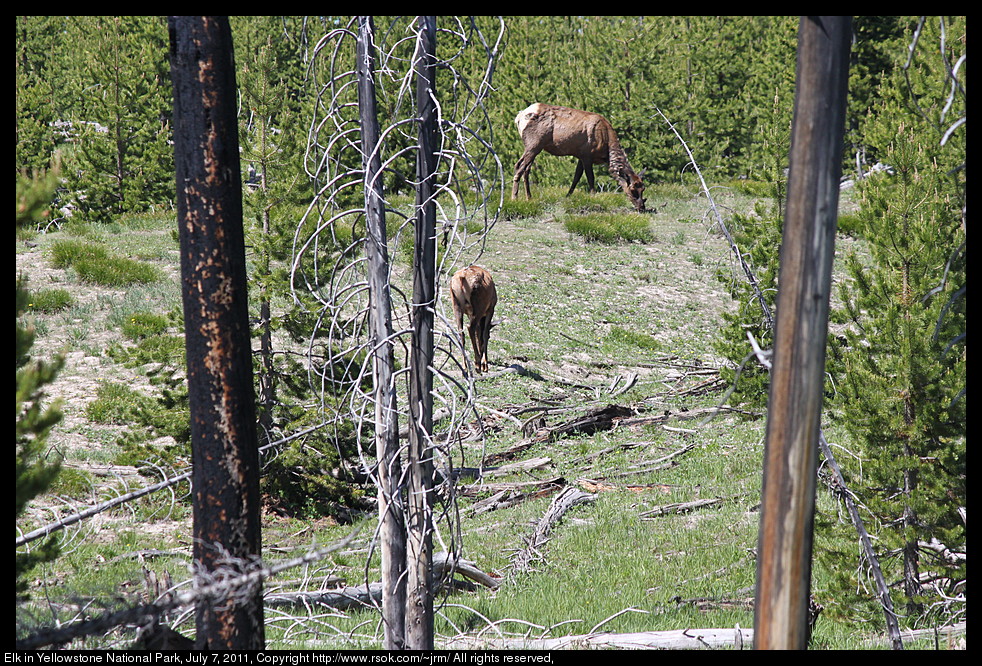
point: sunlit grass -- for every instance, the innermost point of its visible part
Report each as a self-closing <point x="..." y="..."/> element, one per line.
<point x="610" y="227"/>
<point x="49" y="300"/>
<point x="94" y="263"/>
<point x="585" y="310"/>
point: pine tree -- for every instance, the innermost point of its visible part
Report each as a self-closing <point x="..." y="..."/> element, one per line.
<point x="758" y="237"/>
<point x="39" y="100"/>
<point x="265" y="126"/>
<point x="877" y="42"/>
<point x="34" y="420"/>
<point x="903" y="376"/>
<point x="903" y="384"/>
<point x="272" y="135"/>
<point x="122" y="161"/>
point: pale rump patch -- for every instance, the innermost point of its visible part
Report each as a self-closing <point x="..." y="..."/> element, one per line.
<point x="525" y="116"/>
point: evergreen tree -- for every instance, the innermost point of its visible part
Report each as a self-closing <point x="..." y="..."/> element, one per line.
<point x="122" y="160"/>
<point x="904" y="379"/>
<point x="34" y="420"/>
<point x="758" y="238"/>
<point x="719" y="74"/>
<point x="878" y="41"/>
<point x="267" y="131"/>
<point x="40" y="99"/>
<point x="272" y="134"/>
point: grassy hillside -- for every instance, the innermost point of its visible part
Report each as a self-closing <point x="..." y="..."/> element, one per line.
<point x="589" y="325"/>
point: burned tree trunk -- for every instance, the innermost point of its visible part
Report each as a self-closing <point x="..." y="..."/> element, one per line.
<point x="392" y="529"/>
<point x="225" y="481"/>
<point x="419" y="601"/>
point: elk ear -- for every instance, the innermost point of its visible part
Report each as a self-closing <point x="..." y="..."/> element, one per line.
<point x="641" y="175"/>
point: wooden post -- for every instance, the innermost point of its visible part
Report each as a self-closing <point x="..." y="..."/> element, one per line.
<point x="419" y="602"/>
<point x="225" y="482"/>
<point x="797" y="377"/>
<point x="392" y="527"/>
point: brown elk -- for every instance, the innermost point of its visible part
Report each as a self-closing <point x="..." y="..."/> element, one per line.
<point x="588" y="137"/>
<point x="472" y="292"/>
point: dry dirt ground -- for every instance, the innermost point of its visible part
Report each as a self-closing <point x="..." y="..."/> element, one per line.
<point x="83" y="333"/>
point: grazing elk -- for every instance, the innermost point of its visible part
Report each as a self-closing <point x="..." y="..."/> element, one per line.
<point x="588" y="137"/>
<point x="472" y="292"/>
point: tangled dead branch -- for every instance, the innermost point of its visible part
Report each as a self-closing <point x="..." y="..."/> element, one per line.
<point x="566" y="500"/>
<point x="230" y="579"/>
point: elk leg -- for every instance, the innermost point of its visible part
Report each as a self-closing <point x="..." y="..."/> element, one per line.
<point x="589" y="177"/>
<point x="476" y="343"/>
<point x="522" y="168"/>
<point x="528" y="173"/>
<point x="459" y="320"/>
<point x="485" y="335"/>
<point x="518" y="176"/>
<point x="576" y="177"/>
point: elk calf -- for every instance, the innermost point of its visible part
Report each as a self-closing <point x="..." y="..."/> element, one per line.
<point x="472" y="292"/>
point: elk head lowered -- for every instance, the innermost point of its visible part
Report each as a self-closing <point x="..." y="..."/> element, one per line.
<point x="588" y="137"/>
<point x="472" y="292"/>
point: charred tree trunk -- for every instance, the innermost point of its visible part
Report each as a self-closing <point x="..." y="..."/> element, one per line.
<point x="225" y="481"/>
<point x="392" y="529"/>
<point x="419" y="602"/>
<point x="795" y="402"/>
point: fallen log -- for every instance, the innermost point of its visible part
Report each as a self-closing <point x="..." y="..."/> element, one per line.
<point x="516" y="493"/>
<point x="505" y="499"/>
<point x="705" y="604"/>
<point x="347" y="598"/>
<point x="518" y="466"/>
<point x="680" y="507"/>
<point x="685" y="415"/>
<point x="473" y="489"/>
<point x="682" y="639"/>
<point x="603" y="486"/>
<point x="601" y="418"/>
<point x="510" y="452"/>
<point x="951" y="634"/>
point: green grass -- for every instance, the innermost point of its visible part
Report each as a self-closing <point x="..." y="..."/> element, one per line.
<point x="522" y="208"/>
<point x="610" y="227"/>
<point x="144" y="324"/>
<point x="115" y="272"/>
<point x="65" y="253"/>
<point x="50" y="300"/>
<point x="625" y="336"/>
<point x="115" y="403"/>
<point x="73" y="483"/>
<point x="582" y="315"/>
<point x="94" y="263"/>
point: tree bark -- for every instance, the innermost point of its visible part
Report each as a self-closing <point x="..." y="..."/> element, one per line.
<point x="795" y="403"/>
<point x="225" y="481"/>
<point x="392" y="529"/>
<point x="419" y="594"/>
